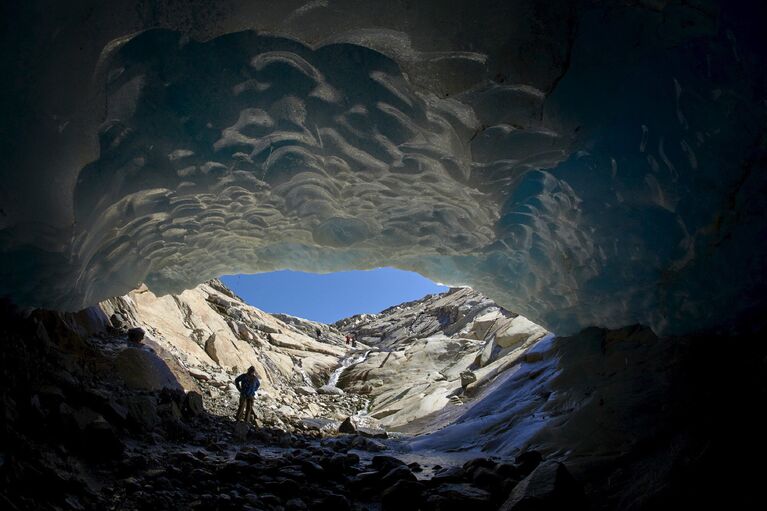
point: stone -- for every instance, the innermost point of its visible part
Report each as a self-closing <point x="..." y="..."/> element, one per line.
<point x="372" y="432"/>
<point x="467" y="378"/>
<point x="403" y="495"/>
<point x="169" y="412"/>
<point x="449" y="497"/>
<point x="142" y="411"/>
<point x="384" y="463"/>
<point x="400" y="473"/>
<point x="240" y="431"/>
<point x="487" y="480"/>
<point x="527" y="461"/>
<point x="470" y="466"/>
<point x="330" y="390"/>
<point x="519" y="330"/>
<point x="219" y="300"/>
<point x="449" y="475"/>
<point x="332" y="502"/>
<point x="347" y="426"/>
<point x="198" y="374"/>
<point x="105" y="403"/>
<point x="136" y="334"/>
<point x="295" y="504"/>
<point x="210" y="348"/>
<point x="193" y="405"/>
<point x="249" y="455"/>
<point x="142" y="369"/>
<point x="549" y="486"/>
<point x="101" y="441"/>
<point x="532" y="357"/>
<point x="117" y="320"/>
<point x="305" y="390"/>
<point x="313" y="469"/>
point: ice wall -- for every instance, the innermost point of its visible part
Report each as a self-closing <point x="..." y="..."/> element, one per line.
<point x="617" y="177"/>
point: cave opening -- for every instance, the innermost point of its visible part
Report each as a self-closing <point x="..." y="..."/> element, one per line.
<point x="595" y="168"/>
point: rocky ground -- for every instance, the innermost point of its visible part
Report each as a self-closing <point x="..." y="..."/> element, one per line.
<point x="93" y="422"/>
<point x="506" y="416"/>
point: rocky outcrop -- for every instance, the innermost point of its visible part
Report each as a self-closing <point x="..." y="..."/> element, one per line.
<point x="628" y="419"/>
<point x="70" y="418"/>
<point x="209" y="336"/>
<point x="434" y="353"/>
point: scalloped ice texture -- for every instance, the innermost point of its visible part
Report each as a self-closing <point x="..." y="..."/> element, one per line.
<point x="631" y="193"/>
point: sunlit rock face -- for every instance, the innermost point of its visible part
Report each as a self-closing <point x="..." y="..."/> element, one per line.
<point x="614" y="178"/>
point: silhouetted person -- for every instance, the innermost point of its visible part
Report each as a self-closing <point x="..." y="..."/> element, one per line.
<point x="247" y="384"/>
<point x="348" y="338"/>
<point x="319" y="333"/>
<point x="354" y="340"/>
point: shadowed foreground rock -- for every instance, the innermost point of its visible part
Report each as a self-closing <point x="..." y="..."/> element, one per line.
<point x="73" y="424"/>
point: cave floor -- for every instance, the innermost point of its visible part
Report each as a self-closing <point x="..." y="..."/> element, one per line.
<point x="73" y="428"/>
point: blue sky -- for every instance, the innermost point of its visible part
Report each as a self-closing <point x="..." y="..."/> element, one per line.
<point x="333" y="296"/>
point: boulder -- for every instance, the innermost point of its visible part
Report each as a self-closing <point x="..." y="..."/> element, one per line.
<point x="399" y="473"/>
<point x="136" y="334"/>
<point x="347" y="426"/>
<point x="244" y="332"/>
<point x="142" y="412"/>
<point x="100" y="441"/>
<point x="306" y="390"/>
<point x="332" y="502"/>
<point x="118" y="321"/>
<point x="519" y="330"/>
<point x="372" y="432"/>
<point x="459" y="497"/>
<point x="482" y="324"/>
<point x="142" y="369"/>
<point x="549" y="486"/>
<point x="169" y="412"/>
<point x="488" y="479"/>
<point x="467" y="378"/>
<point x="330" y="390"/>
<point x="231" y="353"/>
<point x="472" y="465"/>
<point x="448" y="475"/>
<point x="211" y="348"/>
<point x="101" y="401"/>
<point x="527" y="461"/>
<point x="193" y="404"/>
<point x="533" y="356"/>
<point x="218" y="300"/>
<point x="198" y="374"/>
<point x="404" y="495"/>
<point x="384" y="463"/>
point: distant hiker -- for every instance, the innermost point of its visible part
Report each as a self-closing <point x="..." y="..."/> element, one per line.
<point x="319" y="333"/>
<point x="354" y="340"/>
<point x="348" y="338"/>
<point x="247" y="384"/>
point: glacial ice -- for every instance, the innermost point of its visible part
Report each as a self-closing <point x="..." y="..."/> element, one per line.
<point x="625" y="189"/>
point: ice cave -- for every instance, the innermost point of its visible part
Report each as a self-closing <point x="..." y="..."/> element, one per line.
<point x="584" y="174"/>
